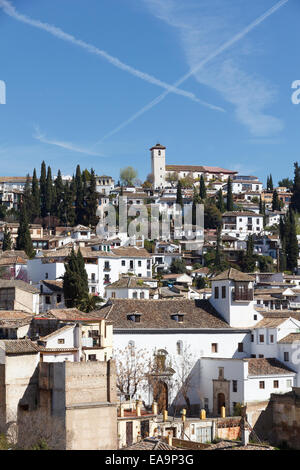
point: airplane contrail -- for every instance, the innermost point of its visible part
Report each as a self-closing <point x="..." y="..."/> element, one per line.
<point x="10" y="10"/>
<point x="201" y="64"/>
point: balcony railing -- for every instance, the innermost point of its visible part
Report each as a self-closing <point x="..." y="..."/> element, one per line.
<point x="242" y="294"/>
<point x="107" y="268"/>
<point x="92" y="281"/>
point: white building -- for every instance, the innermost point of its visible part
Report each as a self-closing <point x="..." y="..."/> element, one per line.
<point x="242" y="224"/>
<point x="158" y="165"/>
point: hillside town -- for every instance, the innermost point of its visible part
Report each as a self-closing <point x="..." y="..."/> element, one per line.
<point x="155" y="315"/>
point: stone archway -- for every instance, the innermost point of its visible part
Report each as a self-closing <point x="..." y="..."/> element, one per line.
<point x="221" y="396"/>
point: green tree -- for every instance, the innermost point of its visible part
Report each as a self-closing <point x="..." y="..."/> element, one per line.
<point x="75" y="280"/>
<point x="212" y="215"/>
<point x="276" y="206"/>
<point x="286" y="183"/>
<point x="36" y="197"/>
<point x="202" y="188"/>
<point x="92" y="201"/>
<point x="128" y="175"/>
<point x="79" y="199"/>
<point x="178" y="266"/>
<point x="27" y="198"/>
<point x="229" y="202"/>
<point x="49" y="191"/>
<point x="220" y="201"/>
<point x="7" y="241"/>
<point x="24" y="241"/>
<point x="292" y="243"/>
<point x="295" y="202"/>
<point x="43" y="189"/>
<point x="179" y="199"/>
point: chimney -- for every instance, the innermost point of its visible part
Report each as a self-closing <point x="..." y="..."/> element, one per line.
<point x="154" y="408"/>
<point x="165" y="416"/>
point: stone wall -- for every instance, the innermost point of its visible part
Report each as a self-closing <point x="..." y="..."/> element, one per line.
<point x="285" y="409"/>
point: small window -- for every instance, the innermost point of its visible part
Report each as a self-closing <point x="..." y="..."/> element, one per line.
<point x="134" y="295"/>
<point x="223" y="292"/>
<point x="58" y="298"/>
<point x="286" y="356"/>
<point x="46" y="275"/>
<point x="255" y="317"/>
<point x="113" y="295"/>
<point x="92" y="357"/>
<point x="241" y="347"/>
<point x="48" y="300"/>
<point x="214" y="347"/>
<point x="142" y="295"/>
<point x="139" y="264"/>
<point x="252" y="338"/>
<point x="271" y="338"/>
<point x="262" y="384"/>
<point x="261" y="338"/>
<point x="216" y="292"/>
<point x="261" y="356"/>
<point x="123" y="262"/>
<point x="61" y="341"/>
<point x="276" y="383"/>
<point x="234" y="385"/>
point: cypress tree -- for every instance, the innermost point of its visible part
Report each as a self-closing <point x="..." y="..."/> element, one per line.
<point x="270" y="183"/>
<point x="36" y="202"/>
<point x="79" y="199"/>
<point x="295" y="202"/>
<point x="292" y="243"/>
<point x="229" y="203"/>
<point x="179" y="199"/>
<point x="275" y="202"/>
<point x="49" y="191"/>
<point x="24" y="241"/>
<point x="59" y="196"/>
<point x="220" y="201"/>
<point x="7" y="241"/>
<point x="202" y="188"/>
<point x="92" y="201"/>
<point x="43" y="189"/>
<point x="27" y="198"/>
<point x="196" y="200"/>
<point x="75" y="280"/>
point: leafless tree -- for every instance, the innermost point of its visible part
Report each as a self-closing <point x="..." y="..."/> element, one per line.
<point x="183" y="380"/>
<point x="132" y="369"/>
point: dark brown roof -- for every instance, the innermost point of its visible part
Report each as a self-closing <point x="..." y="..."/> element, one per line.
<point x="267" y="366"/>
<point x="54" y="285"/>
<point x="199" y="314"/>
<point x="14" y="315"/>
<point x="270" y="322"/>
<point x="233" y="275"/>
<point x="201" y="168"/>
<point x="18" y="346"/>
<point x="69" y="314"/>
<point x="291" y="338"/>
<point x="241" y="214"/>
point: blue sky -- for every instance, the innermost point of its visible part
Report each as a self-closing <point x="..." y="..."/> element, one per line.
<point x="92" y="82"/>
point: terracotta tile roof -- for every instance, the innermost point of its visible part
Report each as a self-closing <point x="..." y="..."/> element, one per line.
<point x="68" y="314"/>
<point x="128" y="282"/>
<point x="18" y="346"/>
<point x="266" y="366"/>
<point x="291" y="338"/>
<point x="131" y="252"/>
<point x="5" y="284"/>
<point x="201" y="168"/>
<point x="199" y="314"/>
<point x="14" y="315"/>
<point x="241" y="214"/>
<point x="56" y="350"/>
<point x="12" y="260"/>
<point x="233" y="275"/>
<point x="150" y="443"/>
<point x="270" y="322"/>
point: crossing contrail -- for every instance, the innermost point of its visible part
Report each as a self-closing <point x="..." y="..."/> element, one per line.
<point x="10" y="10"/>
<point x="201" y="64"/>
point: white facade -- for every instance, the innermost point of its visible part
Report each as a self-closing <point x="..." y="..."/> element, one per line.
<point x="158" y="165"/>
<point x="242" y="224"/>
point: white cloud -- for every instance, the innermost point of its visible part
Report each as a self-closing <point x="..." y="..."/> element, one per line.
<point x="65" y="145"/>
<point x="10" y="10"/>
<point x="202" y="28"/>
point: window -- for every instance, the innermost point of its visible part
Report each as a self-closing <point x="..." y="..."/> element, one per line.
<point x="240" y="347"/>
<point x="92" y="357"/>
<point x="271" y="338"/>
<point x="255" y="317"/>
<point x="61" y="341"/>
<point x="261" y="384"/>
<point x="113" y="295"/>
<point x="48" y="299"/>
<point x="134" y="295"/>
<point x="142" y="295"/>
<point x="123" y="262"/>
<point x="223" y="292"/>
<point x="261" y="356"/>
<point x="221" y="373"/>
<point x="289" y="383"/>
<point x="276" y="383"/>
<point x="214" y="347"/>
<point x="131" y="264"/>
<point x="286" y="356"/>
<point x="139" y="264"/>
<point x="216" y="292"/>
<point x="234" y="385"/>
<point x="252" y="338"/>
<point x="261" y="338"/>
<point x="58" y="298"/>
<point x="253" y="355"/>
<point x="46" y="275"/>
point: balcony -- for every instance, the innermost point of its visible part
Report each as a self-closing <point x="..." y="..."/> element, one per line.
<point x="106" y="281"/>
<point x="107" y="269"/>
<point x="242" y="295"/>
<point x="93" y="281"/>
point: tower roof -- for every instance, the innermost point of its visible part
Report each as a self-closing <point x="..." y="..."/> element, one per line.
<point x="158" y="146"/>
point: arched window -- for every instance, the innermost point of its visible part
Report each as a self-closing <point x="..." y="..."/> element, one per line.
<point x="179" y="346"/>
